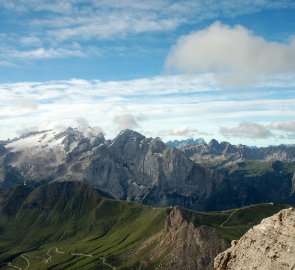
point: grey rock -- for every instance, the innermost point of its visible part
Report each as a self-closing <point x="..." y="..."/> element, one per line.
<point x="226" y="154"/>
<point x="129" y="167"/>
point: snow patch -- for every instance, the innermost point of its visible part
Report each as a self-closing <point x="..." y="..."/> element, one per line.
<point x="36" y="141"/>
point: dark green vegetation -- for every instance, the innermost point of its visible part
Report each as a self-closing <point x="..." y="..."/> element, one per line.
<point x="253" y="182"/>
<point x="232" y="224"/>
<point x="78" y="221"/>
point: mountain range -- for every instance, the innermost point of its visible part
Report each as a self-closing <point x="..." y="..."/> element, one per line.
<point x="75" y="200"/>
<point x="132" y="167"/>
<point x="182" y="143"/>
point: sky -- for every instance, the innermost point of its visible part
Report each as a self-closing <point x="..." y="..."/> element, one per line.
<point x="173" y="69"/>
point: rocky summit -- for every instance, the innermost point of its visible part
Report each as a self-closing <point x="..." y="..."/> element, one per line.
<point x="129" y="167"/>
<point x="224" y="153"/>
<point x="136" y="168"/>
<point x="190" y="247"/>
<point x="267" y="246"/>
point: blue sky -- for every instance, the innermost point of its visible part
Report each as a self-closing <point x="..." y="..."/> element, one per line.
<point x="173" y="69"/>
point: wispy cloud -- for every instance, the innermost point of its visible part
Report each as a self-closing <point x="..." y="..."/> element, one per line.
<point x="6" y="63"/>
<point x="65" y="22"/>
<point x="41" y="53"/>
<point x="234" y="54"/>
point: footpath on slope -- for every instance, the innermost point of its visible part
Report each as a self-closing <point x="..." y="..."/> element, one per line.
<point x="49" y="259"/>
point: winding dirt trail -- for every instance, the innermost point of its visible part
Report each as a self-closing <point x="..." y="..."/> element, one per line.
<point x="49" y="255"/>
<point x="19" y="268"/>
<point x="49" y="259"/>
<point x="27" y="260"/>
<point x="222" y="225"/>
<point x="13" y="266"/>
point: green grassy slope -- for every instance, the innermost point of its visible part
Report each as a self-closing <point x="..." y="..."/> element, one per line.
<point x="232" y="224"/>
<point x="77" y="219"/>
<point x="87" y="227"/>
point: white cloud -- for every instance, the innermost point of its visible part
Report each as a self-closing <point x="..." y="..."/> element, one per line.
<point x="234" y="54"/>
<point x="167" y="102"/>
<point x="82" y="122"/>
<point x="6" y="63"/>
<point x="127" y="121"/>
<point x="112" y="18"/>
<point x="42" y="53"/>
<point x="183" y="131"/>
<point x="246" y="130"/>
<point x="65" y="22"/>
<point x="287" y="126"/>
<point x="51" y="125"/>
<point x="25" y="130"/>
<point x="30" y="41"/>
<point x="27" y="103"/>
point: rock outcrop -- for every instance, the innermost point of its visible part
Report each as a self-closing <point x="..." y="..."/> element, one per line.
<point x="181" y="245"/>
<point x="267" y="246"/>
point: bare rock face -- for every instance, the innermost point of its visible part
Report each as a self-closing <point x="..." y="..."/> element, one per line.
<point x="293" y="185"/>
<point x="130" y="167"/>
<point x="226" y="153"/>
<point x="181" y="245"/>
<point x="267" y="246"/>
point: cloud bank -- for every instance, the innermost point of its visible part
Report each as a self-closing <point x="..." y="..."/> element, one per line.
<point x="172" y="106"/>
<point x="246" y="130"/>
<point x="234" y="54"/>
<point x="287" y="126"/>
<point x="258" y="131"/>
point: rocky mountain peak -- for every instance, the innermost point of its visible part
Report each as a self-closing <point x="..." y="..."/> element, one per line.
<point x="213" y="143"/>
<point x="129" y="134"/>
<point x="214" y="146"/>
<point x="175" y="220"/>
<point x="182" y="143"/>
<point x="130" y="166"/>
<point x="157" y="145"/>
<point x="269" y="245"/>
<point x="189" y="247"/>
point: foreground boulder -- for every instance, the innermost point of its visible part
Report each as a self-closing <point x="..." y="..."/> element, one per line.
<point x="269" y="245"/>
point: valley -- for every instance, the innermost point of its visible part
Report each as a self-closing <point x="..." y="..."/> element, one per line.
<point x="71" y="225"/>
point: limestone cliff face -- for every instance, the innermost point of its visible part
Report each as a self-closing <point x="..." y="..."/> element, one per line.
<point x="130" y="166"/>
<point x="267" y="246"/>
<point x="181" y="245"/>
